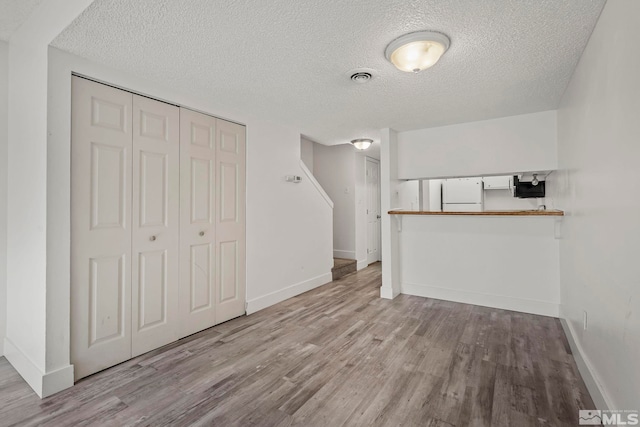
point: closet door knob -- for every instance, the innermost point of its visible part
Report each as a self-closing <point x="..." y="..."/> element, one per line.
<point x="201" y="233"/>
<point x="152" y="238"/>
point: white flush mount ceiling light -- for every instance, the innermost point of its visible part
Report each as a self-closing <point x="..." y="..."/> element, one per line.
<point x="418" y="51"/>
<point x="362" y="143"/>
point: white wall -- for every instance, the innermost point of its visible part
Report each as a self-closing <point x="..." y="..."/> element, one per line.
<point x="503" y="262"/>
<point x="334" y="168"/>
<point x="391" y="189"/>
<point x="599" y="188"/>
<point x="360" y="180"/>
<point x="25" y="345"/>
<point x="288" y="225"/>
<point x="306" y="152"/>
<point x="4" y="79"/>
<point x="500" y="146"/>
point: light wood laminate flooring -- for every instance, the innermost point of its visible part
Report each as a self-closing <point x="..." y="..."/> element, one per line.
<point x="337" y="355"/>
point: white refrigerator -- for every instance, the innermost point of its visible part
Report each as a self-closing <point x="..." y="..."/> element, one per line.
<point x="462" y="195"/>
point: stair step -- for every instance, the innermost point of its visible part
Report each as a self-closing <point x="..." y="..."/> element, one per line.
<point x="342" y="267"/>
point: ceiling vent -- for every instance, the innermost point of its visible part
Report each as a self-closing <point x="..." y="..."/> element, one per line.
<point x="361" y="75"/>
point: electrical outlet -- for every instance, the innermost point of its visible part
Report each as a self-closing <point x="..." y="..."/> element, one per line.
<point x="584" y="320"/>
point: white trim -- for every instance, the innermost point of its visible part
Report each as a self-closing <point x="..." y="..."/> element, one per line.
<point x="25" y="367"/>
<point x="58" y="380"/>
<point x="543" y="308"/>
<point x="362" y="263"/>
<point x="388" y="293"/>
<point x="316" y="184"/>
<point x="595" y="387"/>
<point x="44" y="385"/>
<point x="268" y="300"/>
<point x="339" y="253"/>
<point x="374" y="160"/>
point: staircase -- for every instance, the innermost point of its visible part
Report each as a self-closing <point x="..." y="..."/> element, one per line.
<point x="342" y="267"/>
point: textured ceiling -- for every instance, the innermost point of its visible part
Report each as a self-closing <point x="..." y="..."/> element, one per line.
<point x="287" y="60"/>
<point x="13" y="13"/>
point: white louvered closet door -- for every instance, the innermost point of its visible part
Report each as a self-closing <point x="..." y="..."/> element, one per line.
<point x="230" y="221"/>
<point x="100" y="226"/>
<point x="156" y="226"/>
<point x="197" y="221"/>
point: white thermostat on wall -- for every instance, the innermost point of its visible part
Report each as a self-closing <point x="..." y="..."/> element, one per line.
<point x="293" y="178"/>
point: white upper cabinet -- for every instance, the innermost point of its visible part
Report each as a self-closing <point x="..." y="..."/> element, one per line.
<point x="497" y="182"/>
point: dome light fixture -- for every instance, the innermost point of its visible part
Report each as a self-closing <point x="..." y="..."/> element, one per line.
<point x="417" y="51"/>
<point x="362" y="143"/>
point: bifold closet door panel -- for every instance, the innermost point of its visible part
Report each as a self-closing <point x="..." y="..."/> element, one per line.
<point x="197" y="221"/>
<point x="155" y="309"/>
<point x="230" y="221"/>
<point x="100" y="226"/>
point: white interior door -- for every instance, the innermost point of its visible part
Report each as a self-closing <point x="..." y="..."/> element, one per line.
<point x="156" y="225"/>
<point x="230" y="221"/>
<point x="100" y="226"/>
<point x="197" y="221"/>
<point x="372" y="170"/>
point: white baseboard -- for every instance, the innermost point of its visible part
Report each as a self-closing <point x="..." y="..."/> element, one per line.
<point x="58" y="380"/>
<point x="596" y="390"/>
<point x="338" y="253"/>
<point x="542" y="308"/>
<point x="1" y="345"/>
<point x="388" y="293"/>
<point x="43" y="384"/>
<point x="362" y="264"/>
<point x="268" y="300"/>
<point x="25" y="367"/>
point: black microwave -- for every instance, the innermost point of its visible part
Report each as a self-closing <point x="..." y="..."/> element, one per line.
<point x="526" y="190"/>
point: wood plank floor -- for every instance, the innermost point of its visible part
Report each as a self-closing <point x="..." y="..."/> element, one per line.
<point x="338" y="355"/>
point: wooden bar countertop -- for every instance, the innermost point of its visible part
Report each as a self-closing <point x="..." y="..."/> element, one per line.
<point x="552" y="212"/>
